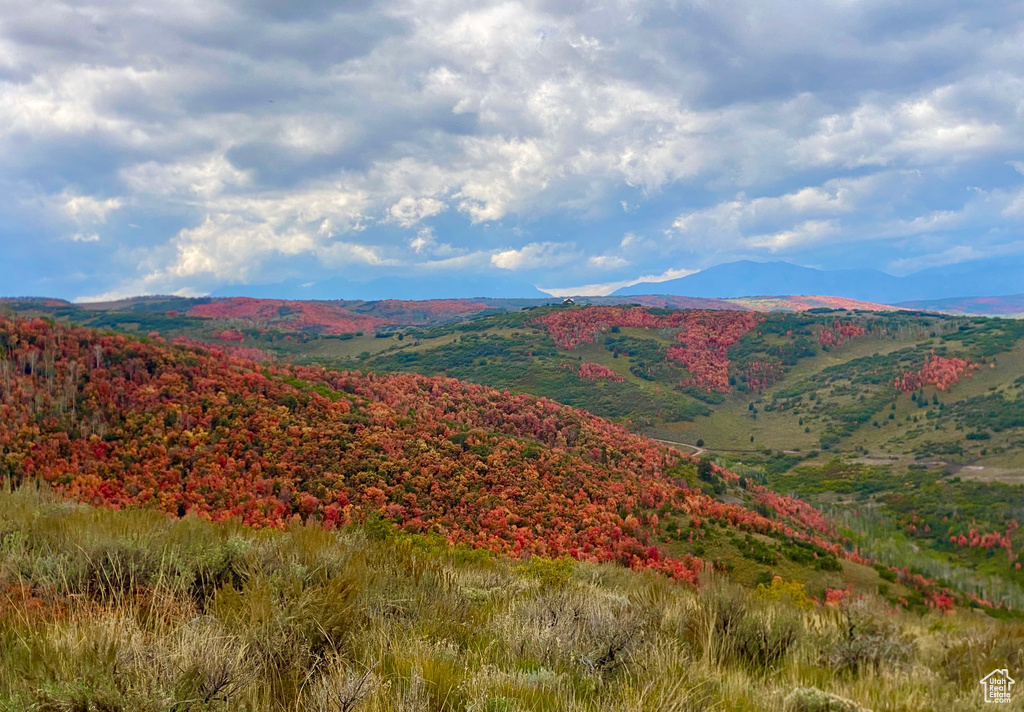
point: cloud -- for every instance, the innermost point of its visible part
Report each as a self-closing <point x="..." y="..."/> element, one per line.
<point x="86" y="209"/>
<point x="607" y="262"/>
<point x="338" y="254"/>
<point x="535" y="255"/>
<point x="201" y="178"/>
<point x="601" y="289"/>
<point x="922" y="130"/>
<point x="795" y="219"/>
<point x="954" y="255"/>
<point x="248" y="138"/>
<point x="424" y="239"/>
<point x="425" y="243"/>
<point x="408" y="211"/>
<point x="805" y="233"/>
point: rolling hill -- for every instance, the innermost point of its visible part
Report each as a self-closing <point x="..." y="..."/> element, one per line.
<point x="1009" y="306"/>
<point x="831" y="406"/>
<point x="427" y="542"/>
<point x="106" y="419"/>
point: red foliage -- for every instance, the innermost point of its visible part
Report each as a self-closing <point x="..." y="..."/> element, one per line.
<point x="704" y="342"/>
<point x="937" y="371"/>
<point x="126" y="423"/>
<point x="590" y="371"/>
<point x="229" y="335"/>
<point x="323" y="317"/>
<point x="703" y="336"/>
<point x="993" y="540"/>
<point x="427" y="311"/>
<point x="109" y="420"/>
<point x="759" y="374"/>
<point x="839" y="332"/>
<point x="837" y="597"/>
<point x="246" y="352"/>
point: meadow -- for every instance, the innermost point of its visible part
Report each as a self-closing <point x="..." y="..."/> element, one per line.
<point x="134" y="610"/>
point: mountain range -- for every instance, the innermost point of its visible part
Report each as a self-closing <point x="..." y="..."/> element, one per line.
<point x="980" y="278"/>
<point x="992" y="277"/>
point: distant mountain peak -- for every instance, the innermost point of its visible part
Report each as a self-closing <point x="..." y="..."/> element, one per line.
<point x="746" y="278"/>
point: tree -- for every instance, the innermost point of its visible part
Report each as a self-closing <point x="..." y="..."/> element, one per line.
<point x="705" y="471"/>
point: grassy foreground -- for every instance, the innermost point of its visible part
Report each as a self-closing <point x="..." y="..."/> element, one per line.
<point x="131" y="610"/>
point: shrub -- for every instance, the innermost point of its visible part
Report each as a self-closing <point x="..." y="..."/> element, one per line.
<point x="766" y="636"/>
<point x="868" y="639"/>
<point x="811" y="699"/>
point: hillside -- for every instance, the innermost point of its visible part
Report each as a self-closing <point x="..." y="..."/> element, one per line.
<point x="106" y="419"/>
<point x="1009" y="306"/>
<point x="903" y="428"/>
<point x="134" y="611"/>
<point x="268" y="319"/>
<point x="915" y="418"/>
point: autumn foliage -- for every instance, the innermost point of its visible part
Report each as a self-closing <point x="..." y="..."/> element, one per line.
<point x="590" y="371"/>
<point x="109" y="420"/>
<point x="324" y="317"/>
<point x="401" y="311"/>
<point x="839" y="332"/>
<point x="703" y="337"/>
<point x="938" y="371"/>
<point x="250" y="353"/>
<point x="759" y="374"/>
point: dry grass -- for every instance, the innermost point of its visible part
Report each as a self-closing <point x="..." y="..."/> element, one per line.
<point x="112" y="611"/>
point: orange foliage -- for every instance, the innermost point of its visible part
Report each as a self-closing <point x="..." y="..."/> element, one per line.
<point x="703" y="336"/>
<point x="937" y="371"/>
<point x="590" y="371"/>
<point x="247" y="352"/>
<point x="113" y="421"/>
<point x="427" y="311"/>
<point x="324" y="317"/>
<point x="839" y="332"/>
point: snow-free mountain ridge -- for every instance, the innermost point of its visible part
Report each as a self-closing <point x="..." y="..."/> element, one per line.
<point x="996" y="277"/>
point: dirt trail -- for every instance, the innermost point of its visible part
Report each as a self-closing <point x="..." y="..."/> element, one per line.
<point x="1011" y="476"/>
<point x="697" y="451"/>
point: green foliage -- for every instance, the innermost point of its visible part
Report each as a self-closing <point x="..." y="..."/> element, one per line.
<point x="811" y="699"/>
<point x="528" y="362"/>
<point x="994" y="411"/>
<point x="550" y="573"/>
<point x="987" y="336"/>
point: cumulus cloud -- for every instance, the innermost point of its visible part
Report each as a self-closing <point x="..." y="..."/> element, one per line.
<point x="607" y="262"/>
<point x="560" y="141"/>
<point x="87" y="209"/>
<point x="780" y="222"/>
<point x="201" y="178"/>
<point x="805" y="233"/>
<point x="408" y="211"/>
<point x="426" y="243"/>
<point x="534" y="255"/>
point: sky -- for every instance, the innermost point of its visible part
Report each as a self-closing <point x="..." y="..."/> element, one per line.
<point x="180" y="148"/>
